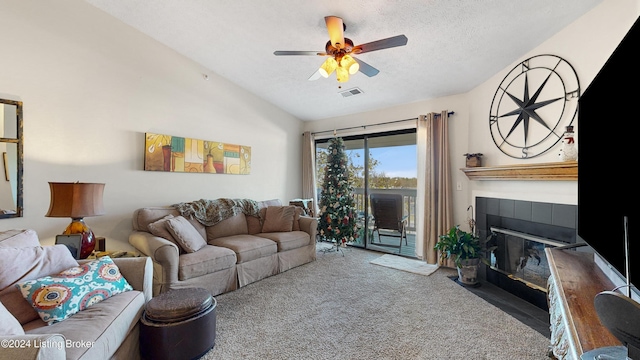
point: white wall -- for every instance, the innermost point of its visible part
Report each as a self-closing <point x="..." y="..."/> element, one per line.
<point x="92" y="86"/>
<point x="586" y="44"/>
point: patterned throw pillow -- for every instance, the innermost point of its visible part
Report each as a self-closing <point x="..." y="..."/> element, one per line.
<point x="59" y="296"/>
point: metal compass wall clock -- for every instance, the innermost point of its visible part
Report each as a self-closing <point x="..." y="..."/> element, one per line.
<point x="533" y="105"/>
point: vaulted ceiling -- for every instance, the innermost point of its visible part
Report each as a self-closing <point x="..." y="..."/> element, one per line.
<point x="453" y="45"/>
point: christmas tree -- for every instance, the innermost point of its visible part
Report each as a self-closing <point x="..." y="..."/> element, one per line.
<point x="337" y="220"/>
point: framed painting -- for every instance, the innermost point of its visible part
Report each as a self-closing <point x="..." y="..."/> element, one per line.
<point x="178" y="154"/>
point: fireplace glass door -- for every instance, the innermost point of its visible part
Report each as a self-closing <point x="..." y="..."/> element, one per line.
<point x="521" y="257"/>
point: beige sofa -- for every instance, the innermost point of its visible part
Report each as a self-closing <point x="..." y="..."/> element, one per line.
<point x="107" y="329"/>
<point x="236" y="251"/>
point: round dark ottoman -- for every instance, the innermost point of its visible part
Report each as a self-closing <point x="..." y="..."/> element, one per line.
<point x="178" y="324"/>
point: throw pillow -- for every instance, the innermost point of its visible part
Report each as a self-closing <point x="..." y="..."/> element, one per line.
<point x="279" y="218"/>
<point x="272" y="202"/>
<point x="10" y="325"/>
<point x="185" y="234"/>
<point x="57" y="297"/>
<point x="159" y="228"/>
<point x="28" y="263"/>
<point x="19" y="238"/>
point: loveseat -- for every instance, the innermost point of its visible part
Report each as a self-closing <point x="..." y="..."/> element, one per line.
<point x="104" y="329"/>
<point x="222" y="244"/>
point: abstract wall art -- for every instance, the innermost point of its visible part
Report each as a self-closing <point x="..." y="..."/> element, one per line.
<point x="178" y="154"/>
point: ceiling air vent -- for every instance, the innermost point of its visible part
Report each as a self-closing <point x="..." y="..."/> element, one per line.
<point x="351" y="92"/>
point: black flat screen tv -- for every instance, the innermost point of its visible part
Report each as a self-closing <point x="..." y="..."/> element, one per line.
<point x="607" y="141"/>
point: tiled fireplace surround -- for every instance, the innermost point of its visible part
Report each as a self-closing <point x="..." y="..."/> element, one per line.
<point x="545" y="220"/>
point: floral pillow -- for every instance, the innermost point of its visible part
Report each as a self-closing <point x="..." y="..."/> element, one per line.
<point x="59" y="296"/>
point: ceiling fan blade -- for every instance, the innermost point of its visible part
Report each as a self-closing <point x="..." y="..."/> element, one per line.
<point x="395" y="41"/>
<point x="335" y="27"/>
<point x="366" y="68"/>
<point x="285" y="52"/>
<point x="316" y="75"/>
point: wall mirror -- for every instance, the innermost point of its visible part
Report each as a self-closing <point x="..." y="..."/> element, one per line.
<point x="11" y="159"/>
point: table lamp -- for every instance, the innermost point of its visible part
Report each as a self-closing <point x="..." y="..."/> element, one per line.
<point x="77" y="201"/>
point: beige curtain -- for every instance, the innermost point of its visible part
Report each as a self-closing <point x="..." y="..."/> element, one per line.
<point x="434" y="195"/>
<point x="308" y="167"/>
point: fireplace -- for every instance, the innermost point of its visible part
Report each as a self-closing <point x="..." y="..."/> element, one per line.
<point x="520" y="231"/>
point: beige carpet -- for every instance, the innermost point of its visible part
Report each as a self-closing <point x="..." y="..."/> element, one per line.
<point x="405" y="264"/>
<point x="344" y="307"/>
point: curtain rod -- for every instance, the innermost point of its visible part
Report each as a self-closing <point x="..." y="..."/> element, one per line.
<point x="365" y="126"/>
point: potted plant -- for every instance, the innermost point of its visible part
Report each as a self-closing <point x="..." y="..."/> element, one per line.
<point x="465" y="250"/>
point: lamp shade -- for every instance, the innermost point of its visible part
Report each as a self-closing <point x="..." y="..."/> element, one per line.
<point x="75" y="200"/>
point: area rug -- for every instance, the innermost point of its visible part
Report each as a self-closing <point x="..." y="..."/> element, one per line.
<point x="405" y="264"/>
<point x="342" y="307"/>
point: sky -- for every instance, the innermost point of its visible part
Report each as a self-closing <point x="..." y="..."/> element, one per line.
<point x="395" y="161"/>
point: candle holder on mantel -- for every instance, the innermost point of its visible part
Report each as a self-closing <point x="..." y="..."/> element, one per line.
<point x="568" y="151"/>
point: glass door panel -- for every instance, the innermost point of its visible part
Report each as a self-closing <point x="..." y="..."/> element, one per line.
<point x="381" y="163"/>
<point x="354" y="149"/>
<point x="392" y="171"/>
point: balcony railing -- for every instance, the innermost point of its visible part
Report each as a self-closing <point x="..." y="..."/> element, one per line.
<point x="409" y="203"/>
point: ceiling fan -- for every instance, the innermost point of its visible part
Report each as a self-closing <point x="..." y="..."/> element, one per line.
<point x="340" y="49"/>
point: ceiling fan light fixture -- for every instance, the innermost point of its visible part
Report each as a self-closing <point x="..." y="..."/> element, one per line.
<point x="350" y="64"/>
<point x="328" y="67"/>
<point x="339" y="48"/>
<point x="342" y="74"/>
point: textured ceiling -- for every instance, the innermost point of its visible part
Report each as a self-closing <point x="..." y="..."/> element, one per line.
<point x="453" y="46"/>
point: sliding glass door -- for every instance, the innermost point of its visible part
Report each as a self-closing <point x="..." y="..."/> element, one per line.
<point x="383" y="165"/>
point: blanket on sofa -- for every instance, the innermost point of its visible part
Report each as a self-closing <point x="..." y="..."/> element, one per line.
<point x="211" y="212"/>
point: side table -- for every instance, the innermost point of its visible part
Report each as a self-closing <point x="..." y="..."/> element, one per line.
<point x="113" y="254"/>
<point x="178" y="324"/>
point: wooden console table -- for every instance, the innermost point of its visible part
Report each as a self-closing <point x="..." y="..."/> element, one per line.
<point x="574" y="282"/>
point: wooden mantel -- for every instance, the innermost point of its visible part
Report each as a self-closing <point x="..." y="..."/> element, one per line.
<point x="566" y="170"/>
